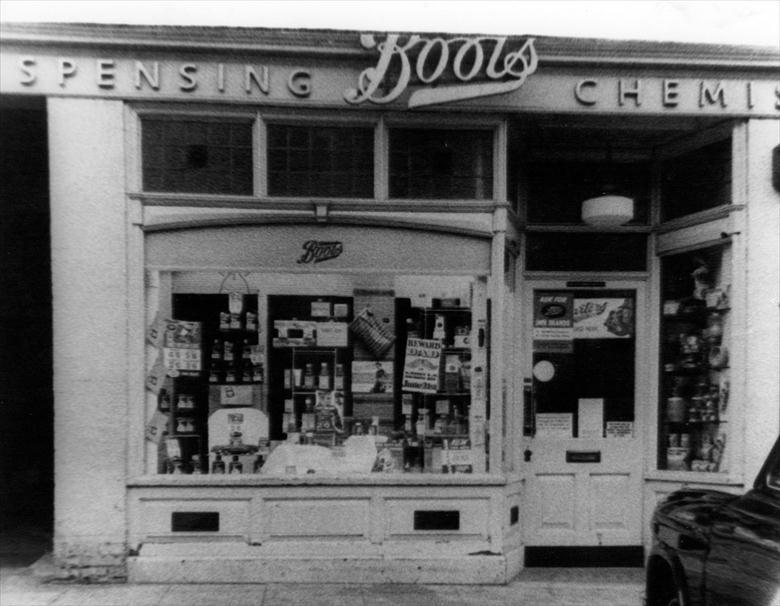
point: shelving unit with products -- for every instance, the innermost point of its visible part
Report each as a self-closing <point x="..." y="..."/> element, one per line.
<point x="309" y="368"/>
<point x="695" y="382"/>
<point x="439" y="422"/>
<point x="227" y="357"/>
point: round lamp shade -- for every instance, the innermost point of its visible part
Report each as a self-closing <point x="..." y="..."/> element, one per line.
<point x="606" y="211"/>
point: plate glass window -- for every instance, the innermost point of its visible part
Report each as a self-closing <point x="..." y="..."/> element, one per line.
<point x="320" y="161"/>
<point x="696" y="181"/>
<point x="197" y="156"/>
<point x="441" y="164"/>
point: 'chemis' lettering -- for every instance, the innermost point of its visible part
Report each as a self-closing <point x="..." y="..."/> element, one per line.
<point x="464" y="58"/>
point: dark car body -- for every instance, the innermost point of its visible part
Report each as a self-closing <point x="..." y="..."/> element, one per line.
<point x="711" y="548"/>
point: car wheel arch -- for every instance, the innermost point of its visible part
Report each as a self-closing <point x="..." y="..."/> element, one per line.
<point x="665" y="573"/>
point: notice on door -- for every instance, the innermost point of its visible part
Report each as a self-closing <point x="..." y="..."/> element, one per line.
<point x="603" y="318"/>
<point x="553" y="321"/>
<point x="554" y="425"/>
<point x="590" y="417"/>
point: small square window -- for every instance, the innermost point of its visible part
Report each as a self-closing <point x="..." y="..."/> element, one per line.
<point x="439" y="163"/>
<point x="320" y="161"/>
<point x="196" y="156"/>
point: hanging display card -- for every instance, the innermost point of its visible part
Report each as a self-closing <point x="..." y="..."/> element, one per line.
<point x="156" y="376"/>
<point x="156" y="331"/>
<point x="620" y="429"/>
<point x="421" y="366"/>
<point x="590" y="418"/>
<point x="554" y="424"/>
<point x="332" y="334"/>
<point x="553" y="325"/>
<point x="156" y="427"/>
<point x="602" y="318"/>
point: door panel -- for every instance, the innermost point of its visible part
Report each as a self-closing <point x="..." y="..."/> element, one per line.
<point x="584" y="460"/>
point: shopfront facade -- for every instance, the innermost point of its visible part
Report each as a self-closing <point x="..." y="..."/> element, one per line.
<point x="328" y="306"/>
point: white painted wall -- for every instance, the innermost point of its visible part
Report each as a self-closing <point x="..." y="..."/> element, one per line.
<point x="90" y="329"/>
<point x="762" y="227"/>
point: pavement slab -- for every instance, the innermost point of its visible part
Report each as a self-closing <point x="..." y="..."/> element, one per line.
<point x="533" y="587"/>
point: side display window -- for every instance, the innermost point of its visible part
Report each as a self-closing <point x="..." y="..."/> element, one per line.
<point x="695" y="381"/>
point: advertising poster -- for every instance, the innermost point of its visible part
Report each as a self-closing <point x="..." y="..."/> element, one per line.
<point x="422" y="364"/>
<point x="603" y="318"/>
<point x="553" y="322"/>
<point x="372" y="377"/>
<point x="181" y="348"/>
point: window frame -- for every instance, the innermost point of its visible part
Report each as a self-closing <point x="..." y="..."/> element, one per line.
<point x="267" y="120"/>
<point x="497" y="126"/>
<point x="181" y="115"/>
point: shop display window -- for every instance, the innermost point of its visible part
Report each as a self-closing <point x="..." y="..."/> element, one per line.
<point x="439" y="163"/>
<point x="696" y="181"/>
<point x="196" y="156"/>
<point x="365" y="381"/>
<point x="320" y="161"/>
<point x="695" y="383"/>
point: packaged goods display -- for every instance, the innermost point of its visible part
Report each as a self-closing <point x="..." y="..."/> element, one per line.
<point x="291" y="384"/>
<point x="695" y="364"/>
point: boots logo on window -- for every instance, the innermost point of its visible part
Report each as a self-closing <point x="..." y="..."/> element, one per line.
<point x="446" y="70"/>
<point x="316" y="251"/>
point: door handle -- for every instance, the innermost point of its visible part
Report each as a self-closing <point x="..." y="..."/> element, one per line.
<point x="527" y="455"/>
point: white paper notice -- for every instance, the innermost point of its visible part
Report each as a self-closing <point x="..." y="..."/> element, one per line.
<point x="591" y="417"/>
<point x="620" y="429"/>
<point x="332" y="334"/>
<point x="554" y="424"/>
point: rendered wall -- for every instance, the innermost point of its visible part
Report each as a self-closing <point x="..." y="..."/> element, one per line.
<point x="762" y="406"/>
<point x="90" y="341"/>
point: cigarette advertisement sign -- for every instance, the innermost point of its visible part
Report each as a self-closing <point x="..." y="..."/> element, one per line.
<point x="553" y="321"/>
<point x="422" y="365"/>
<point x="603" y="318"/>
<point x="181" y="347"/>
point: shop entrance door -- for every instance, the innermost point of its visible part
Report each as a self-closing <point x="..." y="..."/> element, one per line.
<point x="584" y="387"/>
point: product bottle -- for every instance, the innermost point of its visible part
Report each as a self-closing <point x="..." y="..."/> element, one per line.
<point x="246" y="352"/>
<point x="228" y="351"/>
<point x="164" y="401"/>
<point x="422" y="422"/>
<point x="308" y="377"/>
<point x="218" y="466"/>
<point x="251" y="322"/>
<point x="235" y="465"/>
<point x="323" y="381"/>
<point x="196" y="466"/>
<point x="307" y="418"/>
<point x="338" y="378"/>
<point x="216" y="353"/>
<point x="439" y="329"/>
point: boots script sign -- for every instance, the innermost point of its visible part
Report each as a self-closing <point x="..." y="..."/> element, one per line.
<point x="479" y="65"/>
